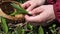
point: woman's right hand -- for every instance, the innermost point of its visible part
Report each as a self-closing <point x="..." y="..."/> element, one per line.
<point x="31" y="4"/>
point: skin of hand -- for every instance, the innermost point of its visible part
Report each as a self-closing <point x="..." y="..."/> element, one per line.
<point x="30" y="4"/>
<point x="46" y="13"/>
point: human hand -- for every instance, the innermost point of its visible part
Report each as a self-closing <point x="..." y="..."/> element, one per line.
<point x="46" y="13"/>
<point x="30" y="4"/>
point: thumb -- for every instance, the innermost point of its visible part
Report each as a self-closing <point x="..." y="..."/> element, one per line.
<point x="31" y="18"/>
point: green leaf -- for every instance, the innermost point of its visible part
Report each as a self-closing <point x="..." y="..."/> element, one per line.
<point x="19" y="9"/>
<point x="54" y="25"/>
<point x="40" y="31"/>
<point x="29" y="27"/>
<point x="12" y="32"/>
<point x="15" y="13"/>
<point x="4" y="25"/>
<point x="19" y="30"/>
<point x="15" y="6"/>
<point x="23" y="31"/>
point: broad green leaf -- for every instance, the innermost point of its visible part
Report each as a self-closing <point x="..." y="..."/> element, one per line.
<point x="19" y="9"/>
<point x="4" y="25"/>
<point x="40" y="31"/>
<point x="15" y="6"/>
<point x="15" y="13"/>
